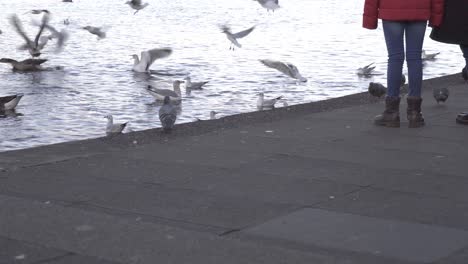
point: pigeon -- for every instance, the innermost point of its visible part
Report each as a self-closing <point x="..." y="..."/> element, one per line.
<point x="25" y="65"/>
<point x="286" y="68"/>
<point x="440" y="94"/>
<point x="98" y="31"/>
<point x="269" y="4"/>
<point x="137" y="5"/>
<point x="34" y="47"/>
<point x="377" y="89"/>
<point x="266" y="103"/>
<point x="112" y="128"/>
<point x="147" y="58"/>
<point x="193" y="85"/>
<point x="160" y="94"/>
<point x="9" y="102"/>
<point x="403" y="80"/>
<point x="366" y="70"/>
<point x="167" y="114"/>
<point x="234" y="36"/>
<point x="430" y="56"/>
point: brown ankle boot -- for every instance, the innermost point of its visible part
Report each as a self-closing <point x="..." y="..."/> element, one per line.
<point x="415" y="117"/>
<point x="391" y="116"/>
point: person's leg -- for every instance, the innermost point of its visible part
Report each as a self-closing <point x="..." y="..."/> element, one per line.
<point x="414" y="41"/>
<point x="464" y="49"/>
<point x="393" y="32"/>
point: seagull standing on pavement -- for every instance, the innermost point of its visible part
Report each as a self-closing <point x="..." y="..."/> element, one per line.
<point x="137" y="5"/>
<point x="266" y="103"/>
<point x="112" y="128"/>
<point x="234" y="36"/>
<point x="167" y="114"/>
<point x="147" y="58"/>
<point x="286" y="68"/>
<point x="269" y="4"/>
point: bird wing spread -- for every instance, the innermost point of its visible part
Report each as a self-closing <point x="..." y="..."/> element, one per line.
<point x="6" y="99"/>
<point x="19" y="28"/>
<point x="243" y="33"/>
<point x="278" y="65"/>
<point x="149" y="56"/>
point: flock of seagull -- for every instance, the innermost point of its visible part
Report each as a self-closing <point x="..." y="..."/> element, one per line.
<point x="170" y="97"/>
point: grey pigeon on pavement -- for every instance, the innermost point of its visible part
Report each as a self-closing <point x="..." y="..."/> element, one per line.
<point x="440" y="94"/>
<point x="167" y="114"/>
<point x="377" y="89"/>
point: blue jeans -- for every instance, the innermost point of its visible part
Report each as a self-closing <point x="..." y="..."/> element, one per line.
<point x="464" y="49"/>
<point x="414" y="32"/>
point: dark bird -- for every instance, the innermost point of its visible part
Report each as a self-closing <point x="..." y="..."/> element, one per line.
<point x="440" y="94"/>
<point x="9" y="102"/>
<point x="137" y="5"/>
<point x="167" y="115"/>
<point x="38" y="11"/>
<point x="377" y="89"/>
<point x="34" y="47"/>
<point x="25" y="65"/>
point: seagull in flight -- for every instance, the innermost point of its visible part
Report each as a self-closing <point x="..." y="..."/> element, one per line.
<point x="34" y="47"/>
<point x="137" y="5"/>
<point x="147" y="58"/>
<point x="269" y="4"/>
<point x="286" y="68"/>
<point x="100" y="32"/>
<point x="38" y="11"/>
<point x="234" y="36"/>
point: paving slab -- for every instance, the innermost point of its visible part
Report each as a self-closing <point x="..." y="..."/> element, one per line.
<point x="397" y="239"/>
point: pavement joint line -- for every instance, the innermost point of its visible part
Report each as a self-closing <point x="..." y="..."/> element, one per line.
<point x="46" y="261"/>
<point x="123" y="211"/>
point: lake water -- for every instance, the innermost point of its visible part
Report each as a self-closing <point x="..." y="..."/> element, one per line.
<point x="323" y="38"/>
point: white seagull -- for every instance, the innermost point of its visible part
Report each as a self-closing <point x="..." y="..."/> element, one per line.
<point x="266" y="103"/>
<point x="193" y="85"/>
<point x="112" y="128"/>
<point x="286" y="68"/>
<point x="234" y="36"/>
<point x="9" y="102"/>
<point x="137" y="5"/>
<point x="269" y="4"/>
<point x="160" y="94"/>
<point x="167" y="114"/>
<point x="147" y="58"/>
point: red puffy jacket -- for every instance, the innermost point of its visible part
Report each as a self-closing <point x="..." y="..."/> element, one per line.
<point x="402" y="10"/>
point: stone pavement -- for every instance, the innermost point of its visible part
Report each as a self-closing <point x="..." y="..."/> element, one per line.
<point x="314" y="183"/>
